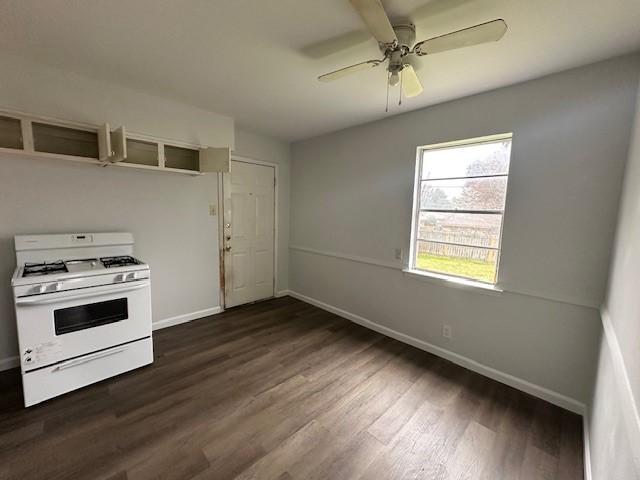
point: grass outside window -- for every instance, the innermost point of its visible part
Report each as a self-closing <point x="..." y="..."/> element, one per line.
<point x="482" y="271"/>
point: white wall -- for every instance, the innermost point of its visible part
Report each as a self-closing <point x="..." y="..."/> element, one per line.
<point x="167" y="213"/>
<point x="352" y="192"/>
<point x="45" y="91"/>
<point x="614" y="417"/>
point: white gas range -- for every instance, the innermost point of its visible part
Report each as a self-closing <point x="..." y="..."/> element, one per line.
<point x="83" y="310"/>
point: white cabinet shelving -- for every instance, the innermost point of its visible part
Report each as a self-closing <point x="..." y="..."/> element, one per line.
<point x="49" y="138"/>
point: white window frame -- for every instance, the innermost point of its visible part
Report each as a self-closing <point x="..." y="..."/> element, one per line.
<point x="445" y="277"/>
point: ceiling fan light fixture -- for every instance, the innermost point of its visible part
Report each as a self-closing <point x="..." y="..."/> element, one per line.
<point x="394" y="79"/>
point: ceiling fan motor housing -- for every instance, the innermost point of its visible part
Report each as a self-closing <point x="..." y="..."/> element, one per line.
<point x="406" y="34"/>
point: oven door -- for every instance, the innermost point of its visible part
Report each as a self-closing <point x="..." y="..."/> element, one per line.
<point x="59" y="326"/>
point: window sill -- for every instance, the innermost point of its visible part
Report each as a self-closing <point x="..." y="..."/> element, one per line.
<point x="447" y="281"/>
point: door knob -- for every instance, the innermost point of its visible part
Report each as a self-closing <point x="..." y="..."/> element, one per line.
<point x="227" y="248"/>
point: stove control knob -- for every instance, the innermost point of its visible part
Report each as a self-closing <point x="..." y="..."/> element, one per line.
<point x="121" y="277"/>
<point x="28" y="351"/>
<point x="40" y="288"/>
<point x="132" y="276"/>
<point x="57" y="286"/>
<point x="28" y="359"/>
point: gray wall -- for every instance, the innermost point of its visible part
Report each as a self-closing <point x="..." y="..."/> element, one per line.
<point x="352" y="193"/>
<point x="614" y="420"/>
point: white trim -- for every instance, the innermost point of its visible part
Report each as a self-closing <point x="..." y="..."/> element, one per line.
<point x="579" y="302"/>
<point x="417" y="207"/>
<point x="241" y="158"/>
<point x="344" y="256"/>
<point x="627" y="401"/>
<point x="570" y="300"/>
<point x="451" y="281"/>
<point x="415" y="210"/>
<point x="468" y="141"/>
<point x="9" y="363"/>
<point x="550" y="396"/>
<point x="220" y="207"/>
<point x="281" y="293"/>
<point x="187" y="317"/>
<point x="586" y="446"/>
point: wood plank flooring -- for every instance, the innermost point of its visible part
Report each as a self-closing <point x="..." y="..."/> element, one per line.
<point x="283" y="390"/>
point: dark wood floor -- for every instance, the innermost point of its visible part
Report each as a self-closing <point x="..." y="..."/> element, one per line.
<point x="282" y="390"/>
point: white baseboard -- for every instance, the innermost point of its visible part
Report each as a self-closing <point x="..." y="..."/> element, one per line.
<point x="550" y="396"/>
<point x="187" y="317"/>
<point x="586" y="446"/>
<point x="281" y="293"/>
<point x="9" y="363"/>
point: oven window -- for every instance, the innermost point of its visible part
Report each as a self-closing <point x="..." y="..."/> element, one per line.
<point x="91" y="315"/>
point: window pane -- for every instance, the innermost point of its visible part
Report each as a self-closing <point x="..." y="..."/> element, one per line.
<point x="467" y="160"/>
<point x="467" y="262"/>
<point x="473" y="229"/>
<point x="464" y="194"/>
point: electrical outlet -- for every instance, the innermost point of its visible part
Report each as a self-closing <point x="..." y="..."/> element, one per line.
<point x="446" y="331"/>
<point x="213" y="210"/>
<point x="398" y="253"/>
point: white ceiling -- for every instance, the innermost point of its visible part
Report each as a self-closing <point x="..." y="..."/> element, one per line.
<point x="243" y="58"/>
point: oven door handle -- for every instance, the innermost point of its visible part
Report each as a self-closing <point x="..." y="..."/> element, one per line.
<point x="87" y="359"/>
<point x="45" y="299"/>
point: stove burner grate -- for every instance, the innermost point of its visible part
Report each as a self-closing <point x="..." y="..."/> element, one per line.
<point x="120" y="261"/>
<point x="31" y="269"/>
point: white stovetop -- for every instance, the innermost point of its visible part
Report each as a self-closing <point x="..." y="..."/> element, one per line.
<point x="81" y="253"/>
<point x="75" y="271"/>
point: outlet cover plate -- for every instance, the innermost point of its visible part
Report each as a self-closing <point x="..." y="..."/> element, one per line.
<point x="446" y="331"/>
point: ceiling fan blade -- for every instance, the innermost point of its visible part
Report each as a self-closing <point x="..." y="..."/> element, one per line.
<point x="411" y="85"/>
<point x="343" y="72"/>
<point x="337" y="44"/>
<point x="374" y="16"/>
<point x="483" y="33"/>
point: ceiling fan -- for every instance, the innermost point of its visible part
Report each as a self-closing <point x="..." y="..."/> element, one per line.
<point x="397" y="44"/>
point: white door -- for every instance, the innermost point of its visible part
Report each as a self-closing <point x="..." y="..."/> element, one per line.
<point x="248" y="235"/>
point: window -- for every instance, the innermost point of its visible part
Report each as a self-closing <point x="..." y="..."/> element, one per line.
<point x="459" y="203"/>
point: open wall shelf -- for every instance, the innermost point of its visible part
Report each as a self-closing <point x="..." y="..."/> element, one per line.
<point x="10" y="133"/>
<point x="48" y="138"/>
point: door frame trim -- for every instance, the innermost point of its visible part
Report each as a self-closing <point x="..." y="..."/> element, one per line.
<point x="241" y="158"/>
